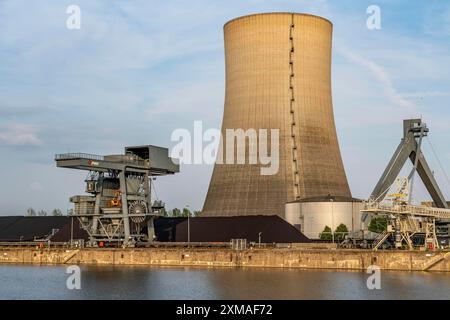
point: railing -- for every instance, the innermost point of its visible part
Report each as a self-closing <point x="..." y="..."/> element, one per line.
<point x="43" y="244"/>
<point x="72" y="156"/>
<point x="87" y="156"/>
<point x="156" y="244"/>
<point x="142" y="163"/>
<point x="225" y="245"/>
<point x="408" y="210"/>
<point x="238" y="244"/>
<point x="380" y="240"/>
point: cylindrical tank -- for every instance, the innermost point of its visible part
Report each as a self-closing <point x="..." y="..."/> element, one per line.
<point x="278" y="76"/>
<point x="312" y="215"/>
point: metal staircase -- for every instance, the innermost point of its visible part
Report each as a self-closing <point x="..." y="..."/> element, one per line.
<point x="380" y="240"/>
<point x="433" y="261"/>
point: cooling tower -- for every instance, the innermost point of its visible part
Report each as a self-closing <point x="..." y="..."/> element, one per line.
<point x="278" y="76"/>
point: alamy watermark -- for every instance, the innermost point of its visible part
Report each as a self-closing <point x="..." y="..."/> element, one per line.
<point x="239" y="146"/>
<point x="374" y="280"/>
<point x="73" y="22"/>
<point x="373" y="21"/>
<point x="73" y="281"/>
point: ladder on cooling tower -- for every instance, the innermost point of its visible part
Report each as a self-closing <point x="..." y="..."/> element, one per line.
<point x="294" y="151"/>
<point x="380" y="240"/>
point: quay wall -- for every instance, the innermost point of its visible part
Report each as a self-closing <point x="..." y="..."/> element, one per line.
<point x="255" y="258"/>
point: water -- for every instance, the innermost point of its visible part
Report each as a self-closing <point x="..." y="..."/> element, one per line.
<point x="104" y="282"/>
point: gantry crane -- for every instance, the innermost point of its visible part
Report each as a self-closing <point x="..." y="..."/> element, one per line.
<point x="404" y="219"/>
<point x="119" y="204"/>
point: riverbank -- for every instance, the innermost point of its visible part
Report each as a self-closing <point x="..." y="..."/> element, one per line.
<point x="342" y="259"/>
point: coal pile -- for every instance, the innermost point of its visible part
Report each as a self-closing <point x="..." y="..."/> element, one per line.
<point x="19" y="228"/>
<point x="273" y="229"/>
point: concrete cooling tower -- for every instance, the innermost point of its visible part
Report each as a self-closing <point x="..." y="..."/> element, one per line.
<point x="278" y="76"/>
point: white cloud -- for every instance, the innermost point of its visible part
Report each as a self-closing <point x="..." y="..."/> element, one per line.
<point x="383" y="78"/>
<point x="17" y="134"/>
<point x="421" y="94"/>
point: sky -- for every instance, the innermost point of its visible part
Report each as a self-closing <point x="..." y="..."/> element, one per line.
<point x="137" y="70"/>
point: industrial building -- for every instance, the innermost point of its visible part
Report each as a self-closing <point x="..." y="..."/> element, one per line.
<point x="312" y="215"/>
<point x="278" y="76"/>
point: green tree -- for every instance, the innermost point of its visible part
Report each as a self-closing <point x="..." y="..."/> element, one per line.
<point x="378" y="224"/>
<point x="176" y="212"/>
<point x="196" y="213"/>
<point x="56" y="212"/>
<point x="164" y="212"/>
<point x="341" y="232"/>
<point x="186" y="213"/>
<point x="326" y="233"/>
<point x="31" y="212"/>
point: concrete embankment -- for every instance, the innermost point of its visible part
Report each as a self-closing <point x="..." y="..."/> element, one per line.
<point x="209" y="257"/>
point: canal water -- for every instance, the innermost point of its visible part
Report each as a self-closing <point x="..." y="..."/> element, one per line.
<point x="50" y="282"/>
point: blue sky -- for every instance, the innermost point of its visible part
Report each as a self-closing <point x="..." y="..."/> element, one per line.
<point x="137" y="70"/>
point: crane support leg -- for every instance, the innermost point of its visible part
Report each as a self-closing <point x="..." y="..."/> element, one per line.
<point x="413" y="129"/>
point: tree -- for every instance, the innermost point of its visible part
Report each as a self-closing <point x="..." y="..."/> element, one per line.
<point x="326" y="233"/>
<point x="186" y="213"/>
<point x="42" y="213"/>
<point x="378" y="224"/>
<point x="196" y="213"/>
<point x="176" y="212"/>
<point x="56" y="213"/>
<point x="341" y="232"/>
<point x="31" y="212"/>
<point x="164" y="212"/>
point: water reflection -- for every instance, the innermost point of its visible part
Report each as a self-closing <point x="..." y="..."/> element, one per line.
<point x="49" y="282"/>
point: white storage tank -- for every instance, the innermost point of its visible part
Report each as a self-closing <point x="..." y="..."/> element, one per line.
<point x="312" y="215"/>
